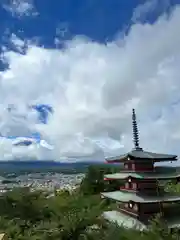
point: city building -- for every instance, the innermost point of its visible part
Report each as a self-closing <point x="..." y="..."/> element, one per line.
<point x="142" y="197"/>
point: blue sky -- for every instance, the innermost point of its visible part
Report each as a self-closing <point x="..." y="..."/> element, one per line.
<point x="96" y="19"/>
<point x="99" y="20"/>
<point x="93" y="61"/>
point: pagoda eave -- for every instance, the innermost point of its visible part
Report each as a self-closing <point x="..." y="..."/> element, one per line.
<point x="139" y="175"/>
<point x="141" y="155"/>
<point x="121" y="196"/>
<point x="124" y="159"/>
<point x="129" y="222"/>
<point x="123" y="220"/>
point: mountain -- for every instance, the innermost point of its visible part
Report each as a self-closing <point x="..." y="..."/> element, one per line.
<point x="35" y="165"/>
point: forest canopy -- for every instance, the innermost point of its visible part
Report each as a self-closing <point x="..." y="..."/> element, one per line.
<point x="26" y="215"/>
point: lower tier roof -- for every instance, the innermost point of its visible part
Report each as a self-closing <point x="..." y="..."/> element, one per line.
<point x="123" y="220"/>
<point x="121" y="196"/>
<point x="127" y="221"/>
<point x="2" y="236"/>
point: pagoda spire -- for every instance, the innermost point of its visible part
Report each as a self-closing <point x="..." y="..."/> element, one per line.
<point x="135" y="131"/>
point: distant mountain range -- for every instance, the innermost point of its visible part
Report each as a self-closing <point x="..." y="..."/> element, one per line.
<point x="47" y="163"/>
<point x="34" y="165"/>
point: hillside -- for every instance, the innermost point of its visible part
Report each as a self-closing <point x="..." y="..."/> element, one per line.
<point x="27" y="215"/>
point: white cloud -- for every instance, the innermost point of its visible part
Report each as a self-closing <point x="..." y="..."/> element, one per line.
<point x="93" y="88"/>
<point x="62" y="33"/>
<point x="143" y="10"/>
<point x="20" y="8"/>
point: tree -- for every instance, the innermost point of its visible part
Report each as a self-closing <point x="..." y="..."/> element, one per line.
<point x="26" y="215"/>
<point x="94" y="183"/>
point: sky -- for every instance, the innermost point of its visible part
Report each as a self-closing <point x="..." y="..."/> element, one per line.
<point x="92" y="61"/>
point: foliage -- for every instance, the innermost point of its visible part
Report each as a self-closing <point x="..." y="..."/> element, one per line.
<point x="94" y="183"/>
<point x="27" y="215"/>
<point x="172" y="187"/>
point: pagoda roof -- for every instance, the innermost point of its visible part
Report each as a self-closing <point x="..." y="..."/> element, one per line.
<point x="142" y="175"/>
<point x="123" y="220"/>
<point x="173" y="222"/>
<point x="141" y="154"/>
<point x="128" y="197"/>
<point x="2" y="236"/>
<point x="126" y="221"/>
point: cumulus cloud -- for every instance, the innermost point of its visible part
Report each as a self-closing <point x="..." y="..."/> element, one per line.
<point x="20" y="8"/>
<point x="62" y="33"/>
<point x="93" y="88"/>
<point x="142" y="11"/>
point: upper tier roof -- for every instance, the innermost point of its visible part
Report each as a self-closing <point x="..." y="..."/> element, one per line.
<point x="138" y="152"/>
<point x="127" y="197"/>
<point x="141" y="154"/>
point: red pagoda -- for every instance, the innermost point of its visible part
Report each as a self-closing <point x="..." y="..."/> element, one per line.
<point x="142" y="197"/>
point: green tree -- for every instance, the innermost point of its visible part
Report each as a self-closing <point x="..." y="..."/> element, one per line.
<point x="94" y="183"/>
